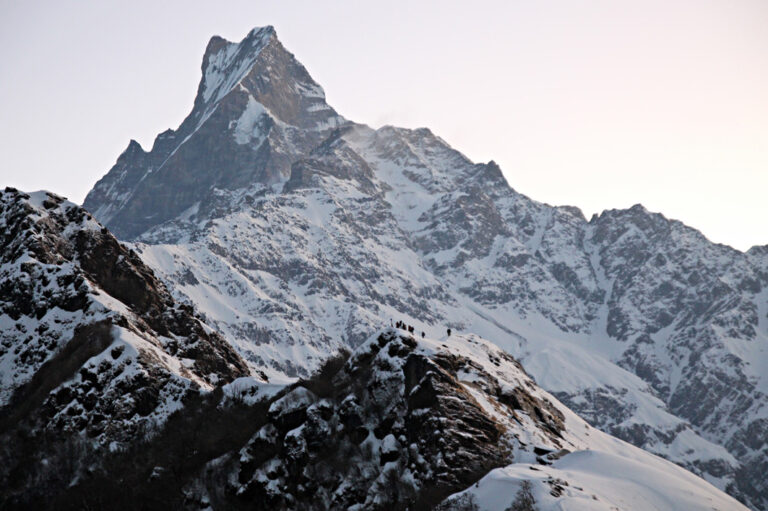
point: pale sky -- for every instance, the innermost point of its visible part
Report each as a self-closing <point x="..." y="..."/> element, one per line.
<point x="597" y="104"/>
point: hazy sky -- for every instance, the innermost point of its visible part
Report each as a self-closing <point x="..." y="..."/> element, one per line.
<point x="598" y="104"/>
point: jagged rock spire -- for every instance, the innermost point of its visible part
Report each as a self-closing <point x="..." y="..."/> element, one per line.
<point x="256" y="108"/>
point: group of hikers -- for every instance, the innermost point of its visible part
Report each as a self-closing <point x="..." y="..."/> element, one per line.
<point x="408" y="328"/>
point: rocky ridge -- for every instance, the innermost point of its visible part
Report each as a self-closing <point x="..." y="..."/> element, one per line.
<point x="407" y="421"/>
<point x="403" y="422"/>
<point x="92" y="345"/>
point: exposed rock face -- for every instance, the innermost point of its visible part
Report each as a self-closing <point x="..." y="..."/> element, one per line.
<point x="91" y="342"/>
<point x="246" y="128"/>
<point x="395" y="427"/>
<point x="295" y="231"/>
<point x="401" y="423"/>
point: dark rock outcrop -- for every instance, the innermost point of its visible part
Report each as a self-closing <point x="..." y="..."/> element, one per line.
<point x="93" y="345"/>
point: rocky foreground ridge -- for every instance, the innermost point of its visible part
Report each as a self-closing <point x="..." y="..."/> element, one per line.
<point x="92" y="345"/>
<point x="403" y="422"/>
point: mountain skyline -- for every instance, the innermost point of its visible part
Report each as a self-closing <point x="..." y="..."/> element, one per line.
<point x="295" y="232"/>
<point x="273" y="305"/>
<point x="592" y="136"/>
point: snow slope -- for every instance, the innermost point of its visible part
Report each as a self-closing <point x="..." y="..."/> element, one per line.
<point x="596" y="480"/>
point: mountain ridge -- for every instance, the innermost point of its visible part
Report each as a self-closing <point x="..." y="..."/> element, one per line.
<point x="94" y="351"/>
<point x="635" y="321"/>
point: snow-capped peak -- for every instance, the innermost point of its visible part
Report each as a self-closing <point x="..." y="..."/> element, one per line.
<point x="226" y="63"/>
<point x="258" y="102"/>
<point x="295" y="231"/>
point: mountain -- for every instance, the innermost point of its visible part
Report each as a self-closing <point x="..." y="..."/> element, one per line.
<point x="296" y="232"/>
<point x="92" y="345"/>
<point x="229" y="141"/>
